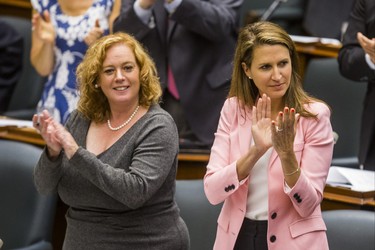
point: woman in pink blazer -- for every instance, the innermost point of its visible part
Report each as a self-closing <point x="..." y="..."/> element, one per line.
<point x="272" y="150"/>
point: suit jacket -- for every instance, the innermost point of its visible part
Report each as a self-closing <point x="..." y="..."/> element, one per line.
<point x="354" y="66"/>
<point x="11" y="50"/>
<point x="199" y="45"/>
<point x="294" y="219"/>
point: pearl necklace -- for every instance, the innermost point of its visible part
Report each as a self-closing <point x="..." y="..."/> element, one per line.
<point x="125" y="123"/>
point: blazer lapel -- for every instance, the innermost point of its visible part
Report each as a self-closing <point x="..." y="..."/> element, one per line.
<point x="244" y="131"/>
<point x="171" y="26"/>
<point x="161" y="19"/>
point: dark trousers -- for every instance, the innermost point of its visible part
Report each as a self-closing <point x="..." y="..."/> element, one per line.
<point x="252" y="236"/>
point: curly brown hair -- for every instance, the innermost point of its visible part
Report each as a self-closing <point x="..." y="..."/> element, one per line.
<point x="92" y="102"/>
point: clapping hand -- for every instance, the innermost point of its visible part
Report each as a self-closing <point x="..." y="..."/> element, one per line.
<point x="45" y="125"/>
<point x="55" y="135"/>
<point x="368" y="45"/>
<point x="261" y="124"/>
<point x="42" y="25"/>
<point x="284" y="131"/>
<point x="94" y="34"/>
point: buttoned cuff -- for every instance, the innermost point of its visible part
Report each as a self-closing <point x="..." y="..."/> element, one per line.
<point x="287" y="189"/>
<point x="369" y="62"/>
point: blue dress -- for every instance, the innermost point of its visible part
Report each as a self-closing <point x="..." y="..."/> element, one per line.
<point x="60" y="94"/>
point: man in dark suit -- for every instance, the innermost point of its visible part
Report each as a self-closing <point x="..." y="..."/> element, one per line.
<point x="326" y="18"/>
<point x="11" y="49"/>
<point x="192" y="41"/>
<point x="357" y="62"/>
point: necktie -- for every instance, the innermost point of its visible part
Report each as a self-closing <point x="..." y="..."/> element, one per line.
<point x="172" y="88"/>
<point x="172" y="84"/>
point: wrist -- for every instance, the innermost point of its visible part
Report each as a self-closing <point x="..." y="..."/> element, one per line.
<point x="52" y="154"/>
<point x="258" y="151"/>
<point x="292" y="172"/>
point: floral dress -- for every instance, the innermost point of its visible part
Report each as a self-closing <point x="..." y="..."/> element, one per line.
<point x="60" y="94"/>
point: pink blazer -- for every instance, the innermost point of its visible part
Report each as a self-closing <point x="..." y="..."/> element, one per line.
<point x="294" y="218"/>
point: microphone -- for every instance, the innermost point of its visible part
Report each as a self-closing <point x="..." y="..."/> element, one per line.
<point x="267" y="14"/>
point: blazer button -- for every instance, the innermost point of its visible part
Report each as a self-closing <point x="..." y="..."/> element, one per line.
<point x="233" y="186"/>
<point x="273" y="238"/>
<point x="226" y="189"/>
<point x="273" y="216"/>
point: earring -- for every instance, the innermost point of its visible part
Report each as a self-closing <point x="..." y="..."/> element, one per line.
<point x="250" y="77"/>
<point x="96" y="86"/>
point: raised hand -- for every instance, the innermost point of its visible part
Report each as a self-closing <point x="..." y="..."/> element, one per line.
<point x="261" y="124"/>
<point x="284" y="131"/>
<point x="43" y="27"/>
<point x="55" y="135"/>
<point x="94" y="34"/>
<point x="45" y="124"/>
<point x="368" y="45"/>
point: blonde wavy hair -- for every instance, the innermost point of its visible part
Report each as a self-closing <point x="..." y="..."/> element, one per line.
<point x="251" y="37"/>
<point x="92" y="102"/>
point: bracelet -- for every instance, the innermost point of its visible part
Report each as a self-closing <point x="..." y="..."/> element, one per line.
<point x="292" y="173"/>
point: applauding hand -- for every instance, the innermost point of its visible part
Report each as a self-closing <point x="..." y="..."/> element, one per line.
<point x="45" y="124"/>
<point x="42" y="25"/>
<point x="261" y="128"/>
<point x="284" y="131"/>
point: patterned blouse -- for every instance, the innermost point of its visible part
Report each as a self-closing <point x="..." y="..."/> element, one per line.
<point x="60" y="94"/>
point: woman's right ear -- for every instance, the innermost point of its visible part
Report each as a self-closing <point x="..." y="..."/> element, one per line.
<point x="246" y="70"/>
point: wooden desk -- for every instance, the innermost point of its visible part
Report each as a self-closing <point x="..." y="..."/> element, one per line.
<point x="193" y="166"/>
<point x="343" y="198"/>
<point x="20" y="8"/>
<point x="318" y="49"/>
<point x="28" y="135"/>
<point x="306" y="51"/>
<point x="190" y="165"/>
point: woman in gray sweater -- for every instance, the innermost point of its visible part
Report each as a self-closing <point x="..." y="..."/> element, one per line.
<point x="114" y="163"/>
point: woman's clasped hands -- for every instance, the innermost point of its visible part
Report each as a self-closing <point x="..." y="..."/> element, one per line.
<point x="279" y="132"/>
<point x="55" y="135"/>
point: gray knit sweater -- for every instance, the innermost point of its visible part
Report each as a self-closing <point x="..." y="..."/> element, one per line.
<point x="124" y="197"/>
